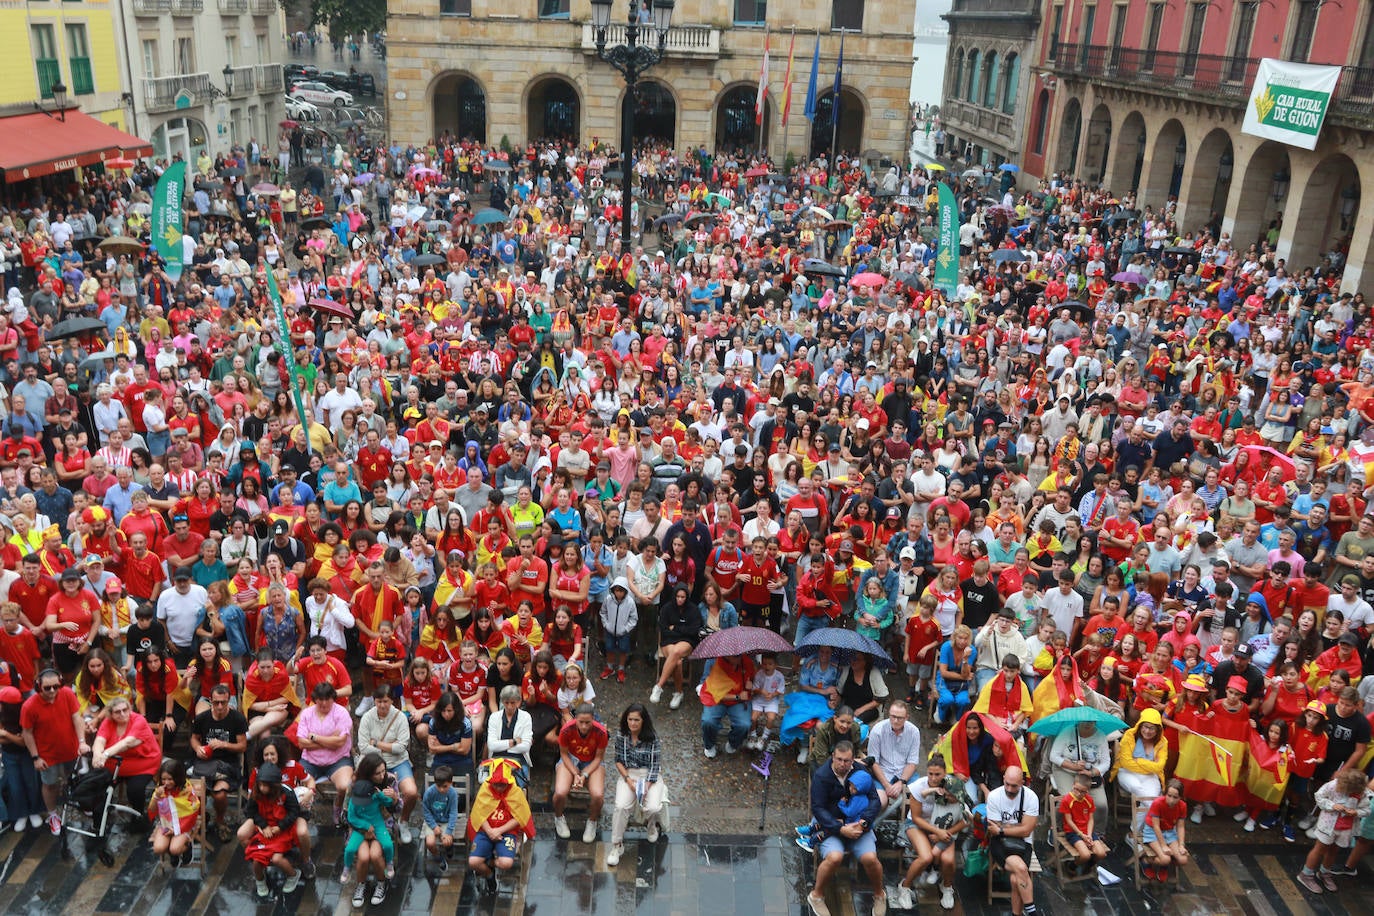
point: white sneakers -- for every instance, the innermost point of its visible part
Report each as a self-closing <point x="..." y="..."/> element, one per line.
<point x="946" y="898"/>
<point x="676" y="701"/>
<point x="653" y="831"/>
<point x="1241" y="816"/>
<point x="802" y="756"/>
<point x="903" y="899"/>
<point x="1249" y="825"/>
<point x="1196" y="816"/>
<point x="589" y="832"/>
<point x="710" y="752"/>
<point x="560" y="827"/>
<point x="613" y="857"/>
<point x="656" y="694"/>
<point x="406" y="837"/>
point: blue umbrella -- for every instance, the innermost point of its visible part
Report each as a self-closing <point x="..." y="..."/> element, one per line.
<point x="1009" y="167"/>
<point x="844" y="642"/>
<point x="1003" y="255"/>
<point x="488" y="215"/>
<point x="1069" y="718"/>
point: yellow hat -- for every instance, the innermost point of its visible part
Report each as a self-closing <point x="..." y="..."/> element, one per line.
<point x="1151" y="716"/>
<point x="52" y="531"/>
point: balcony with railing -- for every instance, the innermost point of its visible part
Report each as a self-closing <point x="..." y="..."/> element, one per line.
<point x="1210" y="77"/>
<point x="152" y="7"/>
<point x="233" y="7"/>
<point x="957" y="114"/>
<point x="241" y="80"/>
<point x="269" y="78"/>
<point x="701" y="41"/>
<point x="160" y="93"/>
<point x="187" y="7"/>
<point x="263" y="7"/>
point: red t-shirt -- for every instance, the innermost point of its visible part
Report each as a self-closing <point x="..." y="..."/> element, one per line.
<point x="754" y="577"/>
<point x="724" y="567"/>
<point x="20" y="652"/>
<point x="142" y="760"/>
<point x="1168" y="815"/>
<point x="921" y="633"/>
<point x="332" y="672"/>
<point x="584" y="748"/>
<point x="1076" y="813"/>
<point x="54" y="735"/>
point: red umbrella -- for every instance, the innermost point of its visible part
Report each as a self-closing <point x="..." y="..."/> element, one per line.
<point x="740" y="641"/>
<point x="332" y="307"/>
<point x="119" y="164"/>
<point x="868" y="278"/>
<point x="1264" y="458"/>
<point x="289" y="124"/>
<point x="757" y="171"/>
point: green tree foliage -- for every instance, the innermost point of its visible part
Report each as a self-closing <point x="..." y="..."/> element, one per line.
<point x="348" y="17"/>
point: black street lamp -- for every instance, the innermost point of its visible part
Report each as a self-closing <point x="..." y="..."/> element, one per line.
<point x="632" y="59"/>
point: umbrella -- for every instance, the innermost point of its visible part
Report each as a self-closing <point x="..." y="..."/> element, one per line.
<point x="121" y="244"/>
<point x="141" y="207"/>
<point x="1265" y="458"/>
<point x="667" y="219"/>
<point x="436" y="225"/>
<point x="721" y="199"/>
<point x="96" y="360"/>
<point x="933" y="167"/>
<point x="332" y="307"/>
<point x="867" y="278"/>
<point x="1182" y="251"/>
<point x="427" y="260"/>
<point x="909" y="279"/>
<point x="696" y="219"/>
<point x="496" y="165"/>
<point x="315" y="222"/>
<point x="1129" y="276"/>
<point x="821" y="268"/>
<point x="844" y="641"/>
<point x="266" y="188"/>
<point x="1009" y="167"/>
<point x="1003" y="211"/>
<point x="884" y="193"/>
<point x="740" y="641"/>
<point x="75" y="327"/>
<point x="1120" y="216"/>
<point x="488" y="215"/>
<point x="1065" y="719"/>
<point x="1074" y="305"/>
<point x="823" y="213"/>
<point x="837" y="224"/>
<point x="972" y="173"/>
<point x="820" y="188"/>
<point x="364" y="178"/>
<point x="232" y="171"/>
<point x="423" y="171"/>
<point x="757" y="171"/>
<point x="290" y="124"/>
<point x="119" y="163"/>
<point x="1005" y="255"/>
<point x="613" y="175"/>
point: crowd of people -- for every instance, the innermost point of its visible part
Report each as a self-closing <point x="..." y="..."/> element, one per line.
<point x="356" y="557"/>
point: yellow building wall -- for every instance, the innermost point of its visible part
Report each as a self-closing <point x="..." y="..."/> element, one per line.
<point x="19" y="76"/>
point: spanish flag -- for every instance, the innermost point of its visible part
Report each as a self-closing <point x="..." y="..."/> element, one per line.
<point x="1054" y="693"/>
<point x="1320" y="668"/>
<point x="956" y="752"/>
<point x="269" y="685"/>
<point x="1266" y="772"/>
<point x="500" y="795"/>
<point x="1211" y="762"/>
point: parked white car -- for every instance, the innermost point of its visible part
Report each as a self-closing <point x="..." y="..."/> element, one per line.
<point x="301" y="110"/>
<point x="320" y="94"/>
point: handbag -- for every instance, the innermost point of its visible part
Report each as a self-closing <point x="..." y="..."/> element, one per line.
<point x="976" y="862"/>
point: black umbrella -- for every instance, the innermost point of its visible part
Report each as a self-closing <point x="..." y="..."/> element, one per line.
<point x="613" y="174"/>
<point x="1074" y="305"/>
<point x="496" y="165"/>
<point x="821" y="268"/>
<point x="232" y="171"/>
<point x="427" y="260"/>
<point x="75" y="327"/>
<point x="908" y="278"/>
<point x="667" y="219"/>
<point x="696" y="219"/>
<point x="1003" y="255"/>
<point x="315" y="222"/>
<point x="1120" y="216"/>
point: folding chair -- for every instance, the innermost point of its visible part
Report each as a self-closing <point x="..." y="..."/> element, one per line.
<point x="1062" y="855"/>
<point x="199" y="848"/>
<point x="1141" y="857"/>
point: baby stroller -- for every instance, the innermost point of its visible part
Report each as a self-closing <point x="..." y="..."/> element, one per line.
<point x="88" y="802"/>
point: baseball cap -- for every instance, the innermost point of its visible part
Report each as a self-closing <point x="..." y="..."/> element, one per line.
<point x="71" y="572"/>
<point x="847" y="544"/>
<point x="280" y="527"/>
<point x="907" y="553"/>
<point x="1244" y="651"/>
<point x="1349" y="639"/>
<point x="894" y="512"/>
<point x="182" y="573"/>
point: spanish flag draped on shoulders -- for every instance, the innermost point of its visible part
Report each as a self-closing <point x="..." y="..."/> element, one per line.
<point x="1057" y="691"/>
<point x="500" y="800"/>
<point x="265" y="685"/>
<point x="1211" y="765"/>
<point x="1002" y="702"/>
<point x="953" y="745"/>
<point x="729" y="676"/>
<point x="1266" y="772"/>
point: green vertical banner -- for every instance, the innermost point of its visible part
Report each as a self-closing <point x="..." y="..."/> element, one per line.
<point x="287" y="352"/>
<point x="167" y="217"/>
<point x="947" y="248"/>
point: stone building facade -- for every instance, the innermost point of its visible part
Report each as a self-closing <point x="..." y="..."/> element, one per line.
<point x="493" y="71"/>
<point x="991" y="49"/>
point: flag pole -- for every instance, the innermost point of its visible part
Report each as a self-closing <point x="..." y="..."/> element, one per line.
<point x="786" y="121"/>
<point x="762" y="101"/>
<point x="835" y="103"/>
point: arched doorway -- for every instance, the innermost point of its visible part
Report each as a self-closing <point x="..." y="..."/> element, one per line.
<point x="460" y="107"/>
<point x="553" y="109"/>
<point x="1070" y="130"/>
<point x="1327" y="209"/>
<point x="1263" y="193"/>
<point x="1205" y="197"/>
<point x="1169" y="157"/>
<point x="848" y="132"/>
<point x="185" y="137"/>
<point x="1128" y="158"/>
<point x="655" y="113"/>
<point x="736" y="122"/>
<point x="1099" y="144"/>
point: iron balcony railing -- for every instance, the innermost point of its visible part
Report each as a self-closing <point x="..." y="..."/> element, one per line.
<point x="1225" y="78"/>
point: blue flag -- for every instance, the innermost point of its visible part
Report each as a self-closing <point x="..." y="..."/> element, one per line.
<point x="839" y="77"/>
<point x="810" y="110"/>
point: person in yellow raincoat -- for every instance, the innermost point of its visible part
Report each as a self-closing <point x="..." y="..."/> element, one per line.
<point x="1141" y="757"/>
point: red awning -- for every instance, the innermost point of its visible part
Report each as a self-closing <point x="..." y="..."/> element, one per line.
<point x="33" y="145"/>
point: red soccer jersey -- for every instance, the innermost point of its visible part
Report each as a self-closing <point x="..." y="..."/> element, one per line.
<point x="142" y="574"/>
<point x="1168" y="815"/>
<point x="583" y="748"/>
<point x="1076" y="814"/>
<point x="724" y="566"/>
<point x="754" y="577"/>
<point x="467" y="683"/>
<point x="389" y="650"/>
<point x="920" y="634"/>
<point x="331" y="672"/>
<point x="20" y="652"/>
